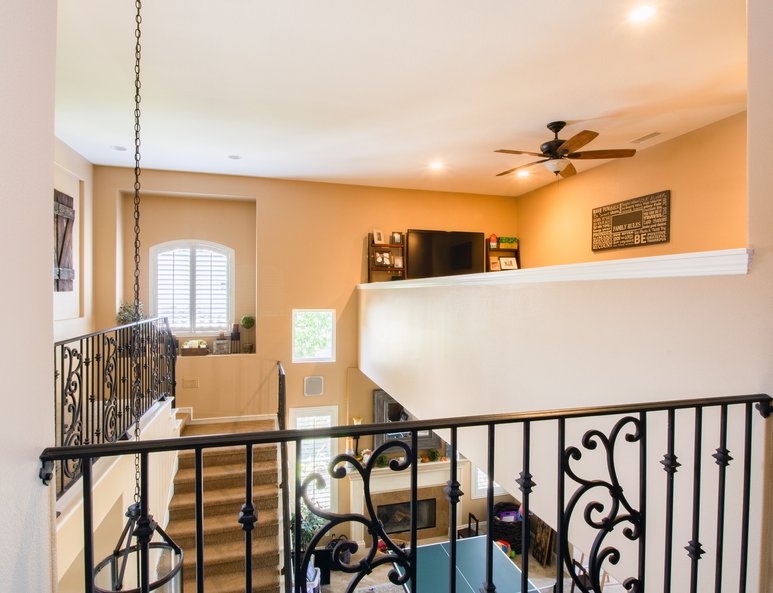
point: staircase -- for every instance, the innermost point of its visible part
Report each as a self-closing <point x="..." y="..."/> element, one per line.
<point x="223" y="498"/>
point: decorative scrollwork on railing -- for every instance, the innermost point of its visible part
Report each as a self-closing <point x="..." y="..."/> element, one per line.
<point x="110" y="411"/>
<point x="72" y="407"/>
<point x="93" y="387"/>
<point x="393" y="554"/>
<point x="602" y="516"/>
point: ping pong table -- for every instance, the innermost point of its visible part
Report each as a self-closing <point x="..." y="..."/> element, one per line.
<point x="432" y="568"/>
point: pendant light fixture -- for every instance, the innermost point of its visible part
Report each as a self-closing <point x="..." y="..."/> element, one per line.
<point x="150" y="564"/>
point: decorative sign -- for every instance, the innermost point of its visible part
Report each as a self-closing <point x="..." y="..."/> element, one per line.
<point x="641" y="221"/>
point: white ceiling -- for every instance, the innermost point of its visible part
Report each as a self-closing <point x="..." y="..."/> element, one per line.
<point x="367" y="92"/>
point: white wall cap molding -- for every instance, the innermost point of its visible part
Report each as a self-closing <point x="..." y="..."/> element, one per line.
<point x="725" y="262"/>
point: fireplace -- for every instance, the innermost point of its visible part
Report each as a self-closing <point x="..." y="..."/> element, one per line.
<point x="388" y="487"/>
<point x="396" y="517"/>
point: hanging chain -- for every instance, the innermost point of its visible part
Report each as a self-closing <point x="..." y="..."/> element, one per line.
<point x="136" y="338"/>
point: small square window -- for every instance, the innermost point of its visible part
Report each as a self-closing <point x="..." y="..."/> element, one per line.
<point x="314" y="335"/>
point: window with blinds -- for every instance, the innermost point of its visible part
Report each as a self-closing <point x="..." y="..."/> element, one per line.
<point x="316" y="454"/>
<point x="192" y="285"/>
<point x="480" y="485"/>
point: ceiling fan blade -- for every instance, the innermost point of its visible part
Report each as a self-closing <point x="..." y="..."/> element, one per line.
<point x="520" y="167"/>
<point x="603" y="154"/>
<point x="506" y="151"/>
<point x="568" y="171"/>
<point x="577" y="141"/>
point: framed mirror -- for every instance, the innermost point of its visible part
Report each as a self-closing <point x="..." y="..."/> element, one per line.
<point x="387" y="409"/>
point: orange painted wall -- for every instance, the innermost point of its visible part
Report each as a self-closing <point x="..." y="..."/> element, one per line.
<point x="311" y="253"/>
<point x="705" y="171"/>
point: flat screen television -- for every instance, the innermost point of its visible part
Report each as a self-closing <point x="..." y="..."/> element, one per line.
<point x="443" y="253"/>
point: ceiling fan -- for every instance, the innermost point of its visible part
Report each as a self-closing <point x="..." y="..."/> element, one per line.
<point x="556" y="152"/>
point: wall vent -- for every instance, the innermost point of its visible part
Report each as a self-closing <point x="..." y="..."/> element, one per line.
<point x="313" y="386"/>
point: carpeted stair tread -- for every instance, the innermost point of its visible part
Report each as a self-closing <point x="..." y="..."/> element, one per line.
<point x="264" y="496"/>
<point x="263" y="581"/>
<point x="228" y="427"/>
<point x="227" y="455"/>
<point x="264" y="554"/>
<point x="226" y="476"/>
<point x="215" y="523"/>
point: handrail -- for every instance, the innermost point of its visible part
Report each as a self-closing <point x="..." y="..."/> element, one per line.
<point x="286" y="436"/>
<point x="281" y="415"/>
<point x="112" y="329"/>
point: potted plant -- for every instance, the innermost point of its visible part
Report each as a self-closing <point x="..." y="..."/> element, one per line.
<point x="125" y="314"/>
<point x="247" y="322"/>
<point x="310" y="523"/>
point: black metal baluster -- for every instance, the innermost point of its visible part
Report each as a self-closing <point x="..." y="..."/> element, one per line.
<point x="723" y="459"/>
<point x="299" y="578"/>
<point x="694" y="548"/>
<point x="199" y="477"/>
<point x="489" y="586"/>
<point x="642" y="497"/>
<point x="248" y="519"/>
<point x="88" y="525"/>
<point x="747" y="472"/>
<point x="670" y="466"/>
<point x="88" y="400"/>
<point x="144" y="529"/>
<point x="526" y="485"/>
<point x="414" y="504"/>
<point x="62" y="383"/>
<point x="560" y="531"/>
<point x="454" y="492"/>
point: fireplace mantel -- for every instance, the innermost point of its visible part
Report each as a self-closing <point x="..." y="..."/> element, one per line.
<point x="382" y="480"/>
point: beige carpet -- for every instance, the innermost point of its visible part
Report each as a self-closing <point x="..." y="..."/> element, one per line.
<point x="224" y="495"/>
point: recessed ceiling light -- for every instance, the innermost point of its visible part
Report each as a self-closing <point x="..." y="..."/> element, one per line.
<point x="118" y="148"/>
<point x="522" y="174"/>
<point x="436" y="166"/>
<point x="642" y="13"/>
<point x="234" y="157"/>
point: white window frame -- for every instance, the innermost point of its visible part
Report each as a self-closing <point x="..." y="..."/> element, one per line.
<point x="482" y="492"/>
<point x="301" y="359"/>
<point x="305" y="412"/>
<point x="193" y="244"/>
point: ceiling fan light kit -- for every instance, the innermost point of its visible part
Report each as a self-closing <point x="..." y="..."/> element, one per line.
<point x="557" y="153"/>
<point x="556" y="165"/>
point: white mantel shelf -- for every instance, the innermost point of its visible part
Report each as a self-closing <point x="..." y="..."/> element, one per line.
<point x="726" y="262"/>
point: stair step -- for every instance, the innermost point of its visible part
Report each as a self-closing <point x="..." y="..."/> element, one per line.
<point x="229" y="427"/>
<point x="263" y="581"/>
<point x="220" y="529"/>
<point x="226" y="476"/>
<point x="227" y="455"/>
<point x="229" y="557"/>
<point x="223" y="501"/>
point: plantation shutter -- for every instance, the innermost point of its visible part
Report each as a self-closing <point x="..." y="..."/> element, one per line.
<point x="192" y="286"/>
<point x="211" y="283"/>
<point x="173" y="288"/>
<point x="316" y="455"/>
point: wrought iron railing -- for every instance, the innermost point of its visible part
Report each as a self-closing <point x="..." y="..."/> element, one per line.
<point x="613" y="506"/>
<point x="284" y="478"/>
<point x="93" y="384"/>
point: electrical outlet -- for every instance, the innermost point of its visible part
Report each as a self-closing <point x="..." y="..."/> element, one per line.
<point x="191" y="383"/>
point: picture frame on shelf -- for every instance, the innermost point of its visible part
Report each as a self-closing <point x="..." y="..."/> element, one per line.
<point x="508" y="263"/>
<point x="493" y="262"/>
<point x="396" y="238"/>
<point x="397" y="261"/>
<point x="378" y="237"/>
<point x="383" y="259"/>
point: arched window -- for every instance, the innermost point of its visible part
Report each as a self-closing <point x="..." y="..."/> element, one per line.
<point x="192" y="284"/>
